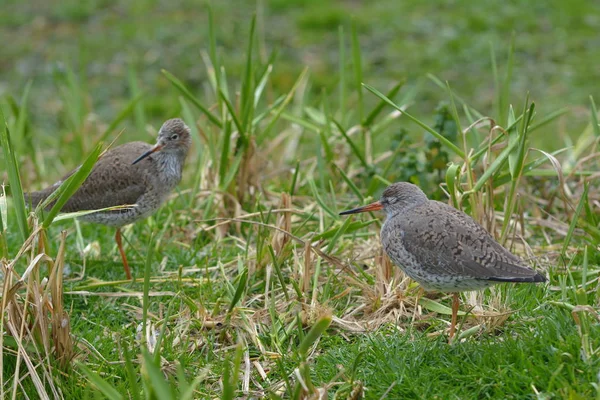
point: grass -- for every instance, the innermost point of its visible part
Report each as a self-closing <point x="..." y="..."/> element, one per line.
<point x="247" y="281"/>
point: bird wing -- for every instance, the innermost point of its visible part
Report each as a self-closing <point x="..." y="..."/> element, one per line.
<point x="449" y="242"/>
<point x="112" y="182"/>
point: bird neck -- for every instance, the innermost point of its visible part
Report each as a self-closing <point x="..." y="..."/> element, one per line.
<point x="171" y="166"/>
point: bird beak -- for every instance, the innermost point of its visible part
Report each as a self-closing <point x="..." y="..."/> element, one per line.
<point x="156" y="148"/>
<point x="369" y="207"/>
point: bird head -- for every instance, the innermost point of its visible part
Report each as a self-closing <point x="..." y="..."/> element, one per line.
<point x="395" y="198"/>
<point x="173" y="138"/>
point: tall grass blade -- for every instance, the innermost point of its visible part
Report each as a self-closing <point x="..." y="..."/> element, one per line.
<point x="14" y="179"/>
<point x="188" y="95"/>
<point x="567" y="240"/>
<point x="146" y="290"/>
<point x="247" y="100"/>
<point x="155" y="379"/>
<point x="70" y="185"/>
<point x="20" y="131"/>
<point x="103" y="386"/>
<point x="358" y="73"/>
<point x="313" y="335"/>
<point x="342" y="71"/>
<point x="239" y="291"/>
<point x="437" y="135"/>
<point x="379" y="107"/>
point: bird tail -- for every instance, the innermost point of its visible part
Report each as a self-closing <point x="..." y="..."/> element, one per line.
<point x="537" y="277"/>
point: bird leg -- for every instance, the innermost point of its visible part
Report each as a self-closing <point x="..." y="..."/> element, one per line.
<point x="123" y="256"/>
<point x="455" y="304"/>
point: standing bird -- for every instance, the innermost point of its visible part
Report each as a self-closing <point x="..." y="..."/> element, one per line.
<point x="136" y="174"/>
<point x="443" y="248"/>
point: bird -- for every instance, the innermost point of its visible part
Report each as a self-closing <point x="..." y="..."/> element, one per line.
<point x="136" y="174"/>
<point x="442" y="248"/>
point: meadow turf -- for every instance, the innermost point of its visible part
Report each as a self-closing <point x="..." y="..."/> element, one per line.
<point x="248" y="284"/>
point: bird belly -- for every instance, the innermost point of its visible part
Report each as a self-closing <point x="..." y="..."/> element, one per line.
<point x="145" y="206"/>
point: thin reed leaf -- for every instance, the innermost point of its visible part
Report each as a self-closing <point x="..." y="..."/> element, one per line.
<point x="247" y="99"/>
<point x="594" y="116"/>
<point x="155" y="380"/>
<point x="225" y="149"/>
<point x="239" y="291"/>
<point x="14" y="179"/>
<point x="353" y="146"/>
<point x="438" y="136"/>
<point x="338" y="233"/>
<point x="319" y="200"/>
<point x="132" y="376"/>
<point x="21" y="126"/>
<point x="212" y="48"/>
<point x="574" y="221"/>
<point x="315" y="332"/>
<point x="146" y="289"/>
<point x="379" y="107"/>
<point x="503" y="88"/>
<point x="277" y="112"/>
<point x="262" y="83"/>
<point x="341" y="71"/>
<point x="358" y="73"/>
<point x="452" y="174"/>
<point x="188" y="95"/>
<point x="493" y="168"/>
<point x="292" y="188"/>
<point x="103" y="386"/>
<point x="231" y="374"/>
<point x="70" y="185"/>
<point x="350" y="184"/>
<point x="231" y="110"/>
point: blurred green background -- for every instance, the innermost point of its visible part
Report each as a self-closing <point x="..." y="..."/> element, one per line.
<point x="556" y="59"/>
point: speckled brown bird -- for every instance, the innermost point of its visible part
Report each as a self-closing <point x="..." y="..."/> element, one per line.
<point x="136" y="174"/>
<point x="443" y="248"/>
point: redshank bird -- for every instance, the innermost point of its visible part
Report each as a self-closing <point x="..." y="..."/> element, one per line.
<point x="443" y="248"/>
<point x="136" y="174"/>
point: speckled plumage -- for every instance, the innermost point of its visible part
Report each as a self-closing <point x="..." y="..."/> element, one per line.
<point x="114" y="181"/>
<point x="443" y="248"/>
<point x="136" y="174"/>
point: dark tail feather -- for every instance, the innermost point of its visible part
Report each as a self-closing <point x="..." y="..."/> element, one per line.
<point x="535" y="278"/>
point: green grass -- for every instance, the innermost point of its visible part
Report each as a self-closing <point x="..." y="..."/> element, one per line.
<point x="247" y="281"/>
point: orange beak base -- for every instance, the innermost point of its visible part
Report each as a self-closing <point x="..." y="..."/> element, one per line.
<point x="376" y="206"/>
<point x="146" y="154"/>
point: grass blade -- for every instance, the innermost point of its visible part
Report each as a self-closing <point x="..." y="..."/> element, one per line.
<point x="379" y="107"/>
<point x="14" y="179"/>
<point x="313" y="335"/>
<point x="358" y="73"/>
<point x="188" y="95"/>
<point x="103" y="386"/>
<point x="239" y="291"/>
<point x="70" y="186"/>
<point x="438" y="136"/>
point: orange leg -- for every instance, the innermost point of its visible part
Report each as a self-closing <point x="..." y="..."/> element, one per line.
<point x="123" y="256"/>
<point x="455" y="304"/>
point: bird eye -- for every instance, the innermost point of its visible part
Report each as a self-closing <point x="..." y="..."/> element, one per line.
<point x="174" y="136"/>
